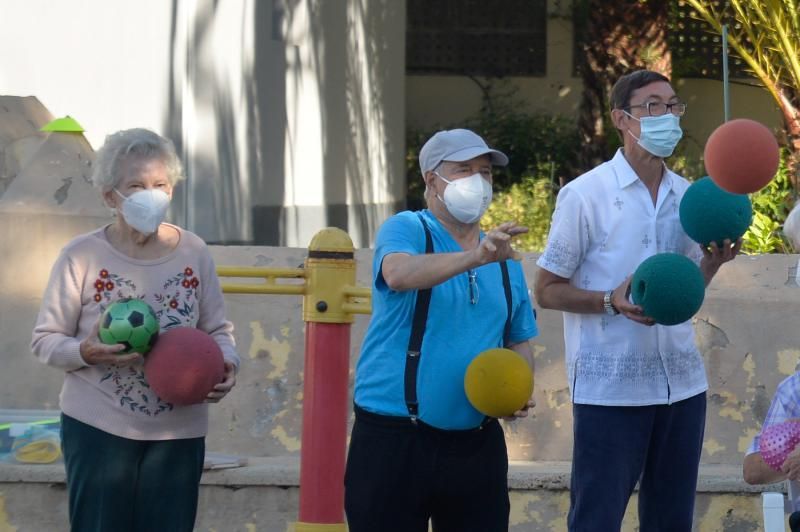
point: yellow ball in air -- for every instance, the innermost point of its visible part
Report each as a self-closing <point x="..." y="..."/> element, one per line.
<point x="498" y="382"/>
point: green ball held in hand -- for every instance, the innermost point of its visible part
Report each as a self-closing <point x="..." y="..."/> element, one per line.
<point x="130" y="322"/>
<point x="669" y="287"/>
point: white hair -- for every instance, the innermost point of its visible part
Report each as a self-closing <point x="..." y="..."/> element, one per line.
<point x="137" y="144"/>
<point x="791" y="227"/>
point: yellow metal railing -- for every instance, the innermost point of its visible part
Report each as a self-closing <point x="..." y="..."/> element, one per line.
<point x="270" y="277"/>
<point x="359" y="300"/>
<point x="326" y="281"/>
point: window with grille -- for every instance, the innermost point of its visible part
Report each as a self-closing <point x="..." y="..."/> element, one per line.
<point x="477" y="37"/>
<point x="697" y="48"/>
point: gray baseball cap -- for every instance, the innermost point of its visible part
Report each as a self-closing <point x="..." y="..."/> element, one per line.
<point x="456" y="145"/>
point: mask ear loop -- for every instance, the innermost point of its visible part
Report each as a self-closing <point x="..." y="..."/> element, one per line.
<point x="440" y="176"/>
<point x="115" y="208"/>
<point x="629" y="129"/>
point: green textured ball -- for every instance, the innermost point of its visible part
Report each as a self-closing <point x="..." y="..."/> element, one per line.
<point x="130" y="322"/>
<point x="711" y="214"/>
<point x="669" y="287"/>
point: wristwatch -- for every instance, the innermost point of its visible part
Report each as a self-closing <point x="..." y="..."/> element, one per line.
<point x="608" y="306"/>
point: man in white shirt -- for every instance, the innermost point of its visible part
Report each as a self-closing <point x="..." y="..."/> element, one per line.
<point x="638" y="389"/>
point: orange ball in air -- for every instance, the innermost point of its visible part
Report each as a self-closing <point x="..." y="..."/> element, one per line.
<point x="742" y="156"/>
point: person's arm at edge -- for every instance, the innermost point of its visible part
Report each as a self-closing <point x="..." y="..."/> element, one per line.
<point x="756" y="471"/>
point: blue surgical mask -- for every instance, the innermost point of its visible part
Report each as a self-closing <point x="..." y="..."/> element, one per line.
<point x="659" y="134"/>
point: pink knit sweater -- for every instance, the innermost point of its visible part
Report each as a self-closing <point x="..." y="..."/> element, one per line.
<point x="90" y="274"/>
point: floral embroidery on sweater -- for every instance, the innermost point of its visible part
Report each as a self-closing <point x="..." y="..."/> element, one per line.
<point x="106" y="283"/>
<point x="179" y="300"/>
<point x="178" y="308"/>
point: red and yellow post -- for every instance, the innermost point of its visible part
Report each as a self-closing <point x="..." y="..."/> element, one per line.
<point x="330" y="268"/>
<point x="330" y="299"/>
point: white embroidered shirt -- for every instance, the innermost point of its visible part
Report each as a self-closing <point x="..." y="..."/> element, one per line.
<point x="603" y="227"/>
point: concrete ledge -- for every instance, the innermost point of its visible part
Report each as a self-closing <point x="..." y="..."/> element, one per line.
<point x="284" y="471"/>
<point x="264" y="496"/>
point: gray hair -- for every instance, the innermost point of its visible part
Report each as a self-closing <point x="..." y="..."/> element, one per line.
<point x="138" y="144"/>
<point x="428" y="190"/>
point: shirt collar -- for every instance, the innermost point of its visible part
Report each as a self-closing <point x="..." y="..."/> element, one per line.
<point x="626" y="175"/>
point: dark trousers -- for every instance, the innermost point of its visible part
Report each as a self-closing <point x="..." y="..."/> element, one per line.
<point x="614" y="447"/>
<point x="121" y="485"/>
<point x="399" y="476"/>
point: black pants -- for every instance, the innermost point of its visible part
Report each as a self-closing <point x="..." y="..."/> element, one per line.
<point x="399" y="476"/>
<point x="616" y="446"/>
<point x="121" y="485"/>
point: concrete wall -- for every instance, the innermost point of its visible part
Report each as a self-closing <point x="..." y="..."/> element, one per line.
<point x="746" y="332"/>
<point x="289" y="113"/>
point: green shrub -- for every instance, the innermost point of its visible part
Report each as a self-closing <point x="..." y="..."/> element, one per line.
<point x="771" y="205"/>
<point x="532" y="141"/>
<point x="530" y="203"/>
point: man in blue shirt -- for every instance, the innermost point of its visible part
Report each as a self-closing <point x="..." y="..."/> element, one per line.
<point x="419" y="451"/>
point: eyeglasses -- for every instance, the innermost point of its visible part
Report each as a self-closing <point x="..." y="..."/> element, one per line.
<point x="473" y="286"/>
<point x="661" y="108"/>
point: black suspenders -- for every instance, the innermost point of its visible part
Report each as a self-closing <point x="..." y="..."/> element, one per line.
<point x="419" y="321"/>
<point x="507" y="290"/>
<point x="417" y="331"/>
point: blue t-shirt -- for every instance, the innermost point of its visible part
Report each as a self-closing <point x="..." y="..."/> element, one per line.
<point x="457" y="330"/>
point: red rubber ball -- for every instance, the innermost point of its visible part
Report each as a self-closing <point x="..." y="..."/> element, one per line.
<point x="184" y="365"/>
<point x="742" y="156"/>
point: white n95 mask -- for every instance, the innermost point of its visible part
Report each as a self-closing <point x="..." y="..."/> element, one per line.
<point x="467" y="198"/>
<point x="145" y="210"/>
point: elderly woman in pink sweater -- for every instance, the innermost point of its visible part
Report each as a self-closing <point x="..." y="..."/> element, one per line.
<point x="133" y="461"/>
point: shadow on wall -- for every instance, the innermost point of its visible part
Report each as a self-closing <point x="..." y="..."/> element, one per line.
<point x="367" y="64"/>
<point x="213" y="130"/>
<point x="230" y="118"/>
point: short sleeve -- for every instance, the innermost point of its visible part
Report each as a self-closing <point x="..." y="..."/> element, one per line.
<point x="780" y="410"/>
<point x="402" y="233"/>
<point x="567" y="242"/>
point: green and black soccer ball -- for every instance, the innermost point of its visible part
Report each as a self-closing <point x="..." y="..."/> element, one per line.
<point x="130" y="322"/>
